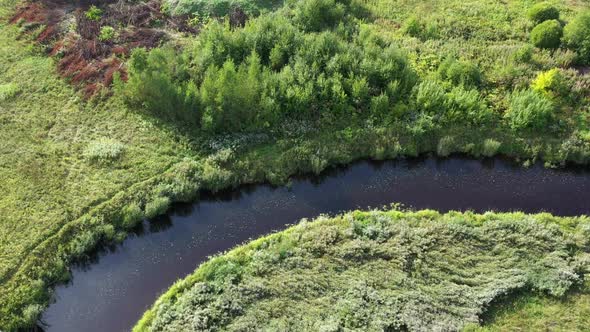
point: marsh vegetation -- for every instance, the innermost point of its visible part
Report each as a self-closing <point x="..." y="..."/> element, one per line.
<point x="158" y="100"/>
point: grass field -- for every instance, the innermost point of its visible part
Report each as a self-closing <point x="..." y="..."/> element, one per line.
<point x="75" y="172"/>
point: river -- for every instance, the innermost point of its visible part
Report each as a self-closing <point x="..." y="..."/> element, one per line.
<point x="112" y="290"/>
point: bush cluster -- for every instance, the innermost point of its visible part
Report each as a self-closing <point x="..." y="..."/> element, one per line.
<point x="251" y="78"/>
<point x="459" y="72"/>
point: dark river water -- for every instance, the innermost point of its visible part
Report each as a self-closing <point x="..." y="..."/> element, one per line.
<point x="111" y="292"/>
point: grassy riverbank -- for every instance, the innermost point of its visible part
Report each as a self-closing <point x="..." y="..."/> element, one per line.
<point x="380" y="270"/>
<point x="76" y="171"/>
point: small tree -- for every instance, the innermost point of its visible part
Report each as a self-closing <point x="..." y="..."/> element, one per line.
<point x="547" y="34"/>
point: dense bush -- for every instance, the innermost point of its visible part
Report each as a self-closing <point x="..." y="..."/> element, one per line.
<point x="156" y="207"/>
<point x="8" y="91"/>
<point x="529" y="110"/>
<point x="524" y="54"/>
<point x="430" y="97"/>
<point x="577" y="36"/>
<point x="466" y="107"/>
<point x="490" y="147"/>
<point x="131" y="216"/>
<point x="542" y="12"/>
<point x="156" y="83"/>
<point x="218" y="8"/>
<point x="416" y="28"/>
<point x="317" y="15"/>
<point x="547" y="34"/>
<point x="249" y="79"/>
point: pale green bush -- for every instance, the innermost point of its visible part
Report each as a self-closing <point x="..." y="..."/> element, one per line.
<point x="446" y="146"/>
<point x="131" y="216"/>
<point x="8" y="91"/>
<point x="490" y="147"/>
<point x="156" y="207"/>
<point x="104" y="150"/>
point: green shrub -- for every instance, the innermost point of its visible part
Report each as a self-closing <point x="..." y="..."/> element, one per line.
<point x="249" y="79"/>
<point x="547" y="34"/>
<point x="317" y="15"/>
<point x="466" y="106"/>
<point x="380" y="104"/>
<point x="416" y="28"/>
<point x="131" y="216"/>
<point x="157" y="207"/>
<point x="104" y="150"/>
<point x="529" y="110"/>
<point x="542" y="12"/>
<point x="32" y="313"/>
<point x="524" y="54"/>
<point x="458" y="73"/>
<point x="231" y="96"/>
<point x="490" y="147"/>
<point x="83" y="243"/>
<point x="154" y="85"/>
<point x="93" y="13"/>
<point x="577" y="36"/>
<point x="430" y="97"/>
<point x="446" y="146"/>
<point x="8" y="91"/>
<point x="107" y="33"/>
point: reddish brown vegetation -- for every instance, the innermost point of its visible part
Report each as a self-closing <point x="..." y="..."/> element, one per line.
<point x="89" y="63"/>
<point x="41" y="14"/>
